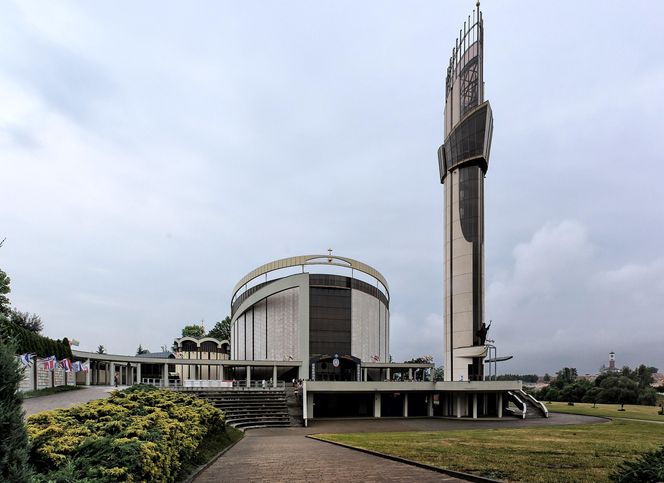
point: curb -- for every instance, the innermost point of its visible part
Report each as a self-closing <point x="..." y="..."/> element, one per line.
<point x="458" y="474"/>
<point x="205" y="466"/>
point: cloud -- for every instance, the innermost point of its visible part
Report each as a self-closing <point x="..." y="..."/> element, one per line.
<point x="558" y="307"/>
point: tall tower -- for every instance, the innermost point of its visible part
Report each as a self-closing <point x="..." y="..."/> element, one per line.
<point x="463" y="160"/>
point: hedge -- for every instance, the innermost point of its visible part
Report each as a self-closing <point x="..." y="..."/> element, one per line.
<point x="33" y="343"/>
<point x="134" y="435"/>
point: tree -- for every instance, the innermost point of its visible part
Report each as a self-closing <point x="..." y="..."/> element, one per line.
<point x="439" y="374"/>
<point x="547" y="377"/>
<point x="28" y="321"/>
<point x="193" y="331"/>
<point x="101" y="350"/>
<point x="13" y="437"/>
<point x="4" y="290"/>
<point x="141" y="350"/>
<point x="221" y="330"/>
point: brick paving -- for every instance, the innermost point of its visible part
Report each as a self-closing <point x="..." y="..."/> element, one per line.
<point x="65" y="399"/>
<point x="285" y="454"/>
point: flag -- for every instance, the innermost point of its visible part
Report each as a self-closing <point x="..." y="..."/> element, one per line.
<point x="85" y="367"/>
<point x="66" y="365"/>
<point x="50" y="363"/>
<point x="74" y="342"/>
<point x="77" y="366"/>
<point x="26" y="359"/>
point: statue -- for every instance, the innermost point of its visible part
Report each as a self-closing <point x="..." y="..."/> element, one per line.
<point x="482" y="332"/>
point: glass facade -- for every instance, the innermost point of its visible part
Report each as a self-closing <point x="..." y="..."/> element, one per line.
<point x="329" y="320"/>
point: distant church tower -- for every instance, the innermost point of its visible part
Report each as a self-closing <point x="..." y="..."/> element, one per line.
<point x="612" y="361"/>
<point x="463" y="160"/>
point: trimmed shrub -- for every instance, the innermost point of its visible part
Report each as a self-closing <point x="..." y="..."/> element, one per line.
<point x="13" y="436"/>
<point x="649" y="467"/>
<point x="134" y="435"/>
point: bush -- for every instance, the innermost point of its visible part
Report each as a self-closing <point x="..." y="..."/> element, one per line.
<point x="13" y="436"/>
<point x="134" y="435"/>
<point x="648" y="467"/>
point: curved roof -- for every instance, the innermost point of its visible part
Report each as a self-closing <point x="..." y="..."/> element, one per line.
<point x="311" y="260"/>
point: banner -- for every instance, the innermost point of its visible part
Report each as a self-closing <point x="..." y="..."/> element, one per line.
<point x="50" y="363"/>
<point x="26" y="359"/>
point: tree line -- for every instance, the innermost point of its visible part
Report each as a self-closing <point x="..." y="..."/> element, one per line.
<point x="626" y="386"/>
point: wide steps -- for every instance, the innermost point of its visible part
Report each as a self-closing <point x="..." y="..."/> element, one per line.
<point x="251" y="409"/>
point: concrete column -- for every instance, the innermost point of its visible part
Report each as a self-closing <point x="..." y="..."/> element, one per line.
<point x="474" y="405"/>
<point x="305" y="404"/>
<point x="430" y="405"/>
<point x="310" y="405"/>
<point x="274" y="376"/>
<point x="112" y="373"/>
<point x="389" y="374"/>
<point x="500" y="404"/>
<point x="165" y="375"/>
<point x="410" y="374"/>
<point x="248" y="376"/>
<point x="377" y="405"/>
<point x="139" y="378"/>
<point x="365" y="374"/>
<point x="221" y="372"/>
<point x="405" y="405"/>
<point x="457" y="401"/>
<point x="88" y="374"/>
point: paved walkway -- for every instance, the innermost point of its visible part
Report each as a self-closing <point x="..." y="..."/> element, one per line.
<point x="285" y="454"/>
<point x="66" y="399"/>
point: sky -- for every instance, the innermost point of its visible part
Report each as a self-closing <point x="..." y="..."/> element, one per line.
<point x="153" y="153"/>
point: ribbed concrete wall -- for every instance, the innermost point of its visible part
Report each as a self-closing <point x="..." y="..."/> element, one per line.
<point x="369" y="327"/>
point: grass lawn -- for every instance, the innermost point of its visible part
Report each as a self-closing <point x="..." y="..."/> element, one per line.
<point x="608" y="410"/>
<point x="48" y="391"/>
<point x="586" y="453"/>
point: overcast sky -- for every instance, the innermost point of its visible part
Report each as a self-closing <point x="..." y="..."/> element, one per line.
<point x="152" y="153"/>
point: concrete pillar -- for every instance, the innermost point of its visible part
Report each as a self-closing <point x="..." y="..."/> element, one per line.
<point x="430" y="405"/>
<point x="457" y="401"/>
<point x="274" y="376"/>
<point x="88" y="374"/>
<point x="377" y="405"/>
<point x="474" y="405"/>
<point x="405" y="405"/>
<point x="410" y="374"/>
<point x="389" y="374"/>
<point x="364" y="374"/>
<point x="164" y="376"/>
<point x="112" y="374"/>
<point x="310" y="405"/>
<point x="500" y="404"/>
<point x="248" y="376"/>
<point x="221" y="372"/>
<point x="139" y="378"/>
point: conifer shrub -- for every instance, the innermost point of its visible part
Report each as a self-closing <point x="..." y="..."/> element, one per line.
<point x="134" y="435"/>
<point x="13" y="436"/>
<point x="649" y="467"/>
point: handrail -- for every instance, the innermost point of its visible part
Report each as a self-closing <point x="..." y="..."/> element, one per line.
<point x="537" y="403"/>
<point x="523" y="416"/>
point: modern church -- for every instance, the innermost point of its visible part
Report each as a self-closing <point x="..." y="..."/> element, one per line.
<point x="325" y="319"/>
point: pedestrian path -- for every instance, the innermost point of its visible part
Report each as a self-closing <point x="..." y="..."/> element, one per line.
<point x="66" y="399"/>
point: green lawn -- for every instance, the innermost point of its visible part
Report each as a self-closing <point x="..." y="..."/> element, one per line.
<point x="608" y="410"/>
<point x="584" y="453"/>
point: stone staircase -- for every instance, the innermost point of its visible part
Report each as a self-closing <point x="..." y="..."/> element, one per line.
<point x="534" y="408"/>
<point x="251" y="408"/>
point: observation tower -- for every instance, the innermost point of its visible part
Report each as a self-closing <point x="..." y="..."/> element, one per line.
<point x="463" y="160"/>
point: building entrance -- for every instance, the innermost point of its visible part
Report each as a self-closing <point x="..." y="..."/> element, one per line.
<point x="335" y="368"/>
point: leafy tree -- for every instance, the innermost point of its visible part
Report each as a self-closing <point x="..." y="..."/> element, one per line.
<point x="221" y="330"/>
<point x="28" y="321"/>
<point x="547" y="377"/>
<point x="193" y="331"/>
<point x="518" y="377"/>
<point x="13" y="437"/>
<point x="439" y="374"/>
<point x="4" y="290"/>
<point x="141" y="350"/>
<point x="101" y="350"/>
